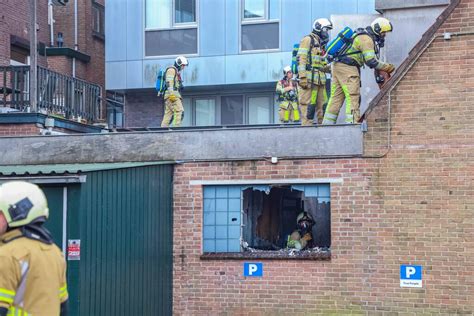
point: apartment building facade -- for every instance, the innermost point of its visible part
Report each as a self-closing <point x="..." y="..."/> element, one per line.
<point x="236" y="49"/>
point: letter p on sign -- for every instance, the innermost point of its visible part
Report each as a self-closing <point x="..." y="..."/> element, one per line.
<point x="253" y="269"/>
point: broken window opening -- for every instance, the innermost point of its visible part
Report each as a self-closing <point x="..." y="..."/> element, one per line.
<point x="270" y="220"/>
<point x="261" y="219"/>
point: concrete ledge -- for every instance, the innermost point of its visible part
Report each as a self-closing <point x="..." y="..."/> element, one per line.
<point x="381" y="5"/>
<point x="231" y="144"/>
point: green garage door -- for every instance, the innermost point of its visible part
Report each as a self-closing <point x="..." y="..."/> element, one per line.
<point x="54" y="195"/>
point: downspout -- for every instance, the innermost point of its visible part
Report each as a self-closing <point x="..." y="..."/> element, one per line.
<point x="75" y="39"/>
<point x="51" y="23"/>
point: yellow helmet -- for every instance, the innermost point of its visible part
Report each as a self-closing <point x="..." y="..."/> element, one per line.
<point x="22" y="202"/>
<point x="381" y="25"/>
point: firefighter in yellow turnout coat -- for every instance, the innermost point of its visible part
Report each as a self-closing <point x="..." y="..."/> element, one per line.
<point x="286" y="91"/>
<point x="345" y="85"/>
<point x="312" y="69"/>
<point x="32" y="268"/>
<point x="174" y="109"/>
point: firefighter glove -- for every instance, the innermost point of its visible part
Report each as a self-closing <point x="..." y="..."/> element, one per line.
<point x="390" y="68"/>
<point x="172" y="98"/>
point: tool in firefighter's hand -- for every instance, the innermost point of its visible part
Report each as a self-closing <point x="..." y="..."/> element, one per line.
<point x="381" y="77"/>
<point x="292" y="95"/>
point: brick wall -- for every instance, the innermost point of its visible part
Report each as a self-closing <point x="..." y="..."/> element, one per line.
<point x="94" y="70"/>
<point x="14" y="20"/>
<point x="143" y="109"/>
<point x="19" y="129"/>
<point x="410" y="200"/>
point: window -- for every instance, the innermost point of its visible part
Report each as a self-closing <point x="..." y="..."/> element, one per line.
<point x="262" y="217"/>
<point x="260" y="28"/>
<point x="204" y="110"/>
<point x="171" y="27"/>
<point x="98" y="19"/>
<point x="254" y="9"/>
<point x="260" y="110"/>
<point x="171" y="42"/>
<point x="199" y="111"/>
<point x="232" y="110"/>
<point x="184" y="11"/>
<point x="115" y="103"/>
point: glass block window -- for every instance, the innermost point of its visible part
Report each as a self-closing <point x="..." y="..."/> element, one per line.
<point x="222" y="218"/>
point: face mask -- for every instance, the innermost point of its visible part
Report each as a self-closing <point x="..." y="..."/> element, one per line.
<point x="324" y="35"/>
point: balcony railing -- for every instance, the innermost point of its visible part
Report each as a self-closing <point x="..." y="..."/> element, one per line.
<point x="58" y="94"/>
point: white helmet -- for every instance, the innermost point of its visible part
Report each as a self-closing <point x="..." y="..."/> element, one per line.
<point x="22" y="202"/>
<point x="381" y="25"/>
<point x="286" y="70"/>
<point x="322" y="24"/>
<point x="180" y="61"/>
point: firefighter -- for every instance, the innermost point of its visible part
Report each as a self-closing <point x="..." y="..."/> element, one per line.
<point x="302" y="237"/>
<point x="312" y="69"/>
<point x="174" y="109"/>
<point x="287" y="96"/>
<point x="32" y="268"/>
<point x="346" y="70"/>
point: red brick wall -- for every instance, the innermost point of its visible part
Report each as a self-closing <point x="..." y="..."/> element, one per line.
<point x="19" y="130"/>
<point x="413" y="205"/>
<point x="143" y="109"/>
<point x="93" y="71"/>
<point x="14" y="20"/>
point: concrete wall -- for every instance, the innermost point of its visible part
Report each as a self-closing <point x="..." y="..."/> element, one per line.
<point x="185" y="145"/>
<point x="219" y="61"/>
<point x="411" y="205"/>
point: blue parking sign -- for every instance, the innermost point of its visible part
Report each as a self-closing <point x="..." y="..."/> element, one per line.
<point x="410" y="276"/>
<point x="253" y="269"/>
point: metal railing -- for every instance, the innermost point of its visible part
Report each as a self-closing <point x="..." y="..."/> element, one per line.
<point x="58" y="95"/>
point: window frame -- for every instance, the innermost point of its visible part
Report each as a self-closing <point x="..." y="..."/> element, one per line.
<point x="265" y="17"/>
<point x="261" y="254"/>
<point x="100" y="10"/>
<point x="259" y="95"/>
<point x="256" y="21"/>
<point x="174" y="26"/>
<point x="246" y="95"/>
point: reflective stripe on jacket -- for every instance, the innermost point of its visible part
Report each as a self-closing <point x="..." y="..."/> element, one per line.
<point x="319" y="66"/>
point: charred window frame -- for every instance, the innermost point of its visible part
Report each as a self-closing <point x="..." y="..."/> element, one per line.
<point x="98" y="20"/>
<point x="257" y="219"/>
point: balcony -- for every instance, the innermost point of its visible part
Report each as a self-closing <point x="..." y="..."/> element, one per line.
<point x="58" y="95"/>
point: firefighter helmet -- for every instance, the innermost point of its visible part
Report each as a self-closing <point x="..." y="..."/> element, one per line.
<point x="286" y="70"/>
<point x="304" y="216"/>
<point x="180" y="61"/>
<point x="22" y="203"/>
<point x="322" y="24"/>
<point x="381" y="25"/>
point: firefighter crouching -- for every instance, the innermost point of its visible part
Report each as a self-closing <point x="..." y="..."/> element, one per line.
<point x="286" y="91"/>
<point x="345" y="85"/>
<point x="32" y="268"/>
<point x="302" y="237"/>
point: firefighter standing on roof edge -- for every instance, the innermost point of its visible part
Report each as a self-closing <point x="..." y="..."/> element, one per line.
<point x="346" y="70"/>
<point x="287" y="96"/>
<point x="312" y="69"/>
<point x="174" y="109"/>
<point x="32" y="268"/>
